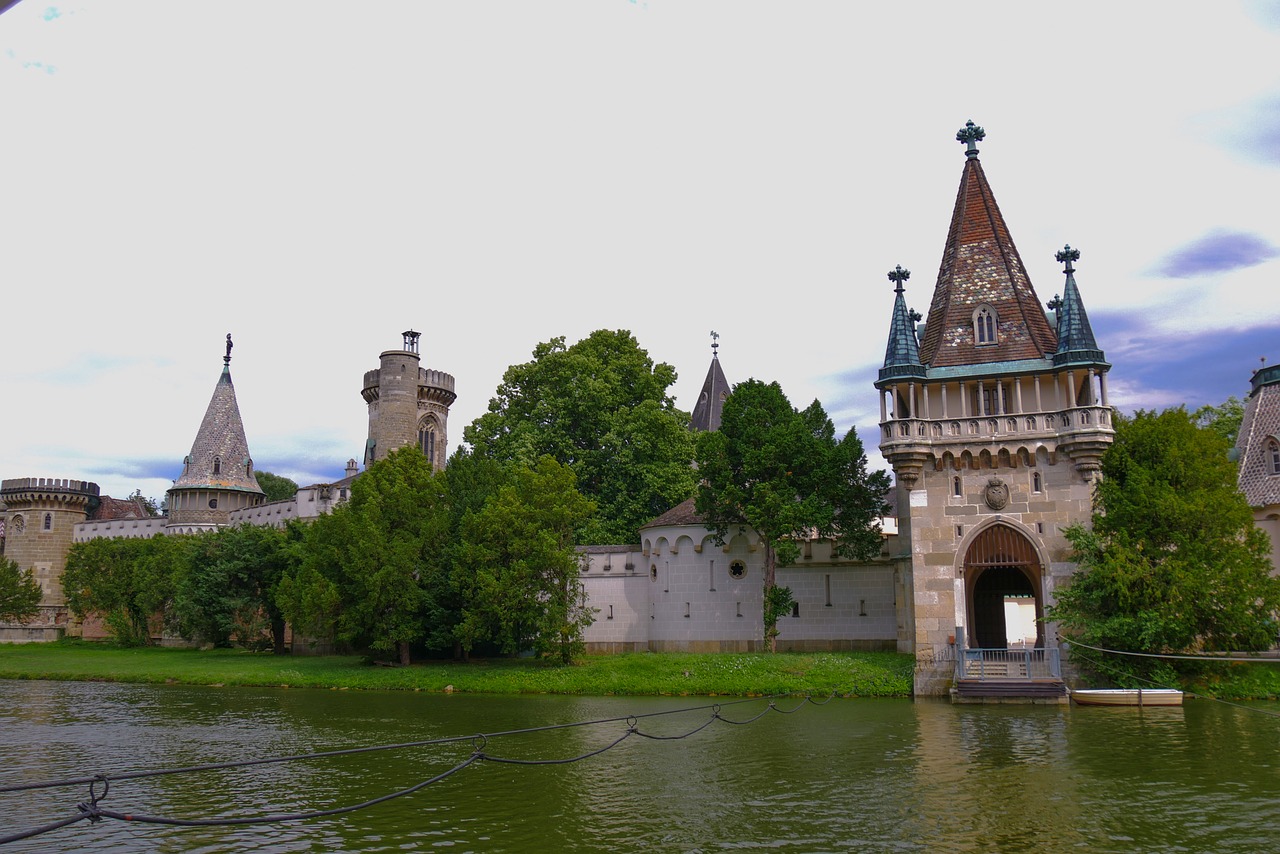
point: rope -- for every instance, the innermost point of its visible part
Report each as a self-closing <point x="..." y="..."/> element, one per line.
<point x="91" y="811"/>
<point x="1104" y="666"/>
<point x="1224" y="657"/>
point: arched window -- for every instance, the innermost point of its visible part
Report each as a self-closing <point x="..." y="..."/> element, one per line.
<point x="427" y="440"/>
<point x="1037" y="484"/>
<point x="48" y="521"/>
<point x="955" y="487"/>
<point x="217" y="465"/>
<point x="985" y="325"/>
<point x="1273" y="455"/>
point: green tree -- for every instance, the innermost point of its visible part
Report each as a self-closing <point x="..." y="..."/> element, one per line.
<point x="225" y="586"/>
<point x="374" y="571"/>
<point x="783" y="473"/>
<point x="129" y="582"/>
<point x="516" y="571"/>
<point x="19" y="593"/>
<point x="1224" y="419"/>
<point x="602" y="408"/>
<point x="1172" y="562"/>
<point x="277" y="488"/>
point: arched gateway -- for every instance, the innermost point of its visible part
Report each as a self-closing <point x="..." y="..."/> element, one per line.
<point x="1004" y="593"/>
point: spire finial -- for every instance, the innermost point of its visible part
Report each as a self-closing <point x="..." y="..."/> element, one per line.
<point x="226" y="360"/>
<point x="898" y="275"/>
<point x="715" y="344"/>
<point x="970" y="134"/>
<point x="1068" y="255"/>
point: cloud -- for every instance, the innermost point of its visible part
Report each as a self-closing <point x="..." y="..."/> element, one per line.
<point x="1217" y="252"/>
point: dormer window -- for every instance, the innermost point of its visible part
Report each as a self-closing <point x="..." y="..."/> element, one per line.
<point x="217" y="465"/>
<point x="985" y="325"/>
<point x="1273" y="456"/>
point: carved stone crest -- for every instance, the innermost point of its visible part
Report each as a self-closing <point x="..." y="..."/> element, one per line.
<point x="997" y="494"/>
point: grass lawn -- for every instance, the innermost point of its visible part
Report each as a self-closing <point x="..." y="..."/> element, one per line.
<point x="864" y="674"/>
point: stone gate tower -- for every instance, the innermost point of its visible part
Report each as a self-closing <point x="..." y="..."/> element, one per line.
<point x="408" y="405"/>
<point x="994" y="420"/>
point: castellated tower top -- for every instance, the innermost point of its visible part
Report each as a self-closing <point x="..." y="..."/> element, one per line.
<point x="408" y="404"/>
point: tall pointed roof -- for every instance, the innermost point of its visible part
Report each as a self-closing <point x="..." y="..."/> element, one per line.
<point x="1076" y="344"/>
<point x="902" y="354"/>
<point x="1259" y="439"/>
<point x="981" y="268"/>
<point x="715" y="388"/>
<point x="219" y="457"/>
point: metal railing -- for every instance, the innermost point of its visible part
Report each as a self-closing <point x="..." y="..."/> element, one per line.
<point x="1014" y="663"/>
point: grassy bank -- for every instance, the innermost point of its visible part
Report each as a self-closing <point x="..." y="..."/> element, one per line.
<point x="865" y="674"/>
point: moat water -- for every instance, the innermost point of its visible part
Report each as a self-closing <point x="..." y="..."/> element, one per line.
<point x="851" y="775"/>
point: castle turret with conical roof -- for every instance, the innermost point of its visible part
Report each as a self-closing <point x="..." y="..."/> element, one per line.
<point x="715" y="388"/>
<point x="1258" y="447"/>
<point x="994" y="422"/>
<point x="217" y="476"/>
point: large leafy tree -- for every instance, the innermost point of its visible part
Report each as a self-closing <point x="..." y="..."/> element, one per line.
<point x="1224" y="419"/>
<point x="128" y="582"/>
<point x="19" y="593"/>
<point x="602" y="408"/>
<point x="225" y="587"/>
<point x="374" y="571"/>
<point x="1172" y="562"/>
<point x="276" y="487"/>
<point x="516" y="571"/>
<point x="782" y="472"/>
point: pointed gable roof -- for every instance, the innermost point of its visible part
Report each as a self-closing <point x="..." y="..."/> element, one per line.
<point x="1258" y="439"/>
<point x="1076" y="344"/>
<point x="715" y="388"/>
<point x="219" y="456"/>
<point x="981" y="267"/>
<point x="902" y="354"/>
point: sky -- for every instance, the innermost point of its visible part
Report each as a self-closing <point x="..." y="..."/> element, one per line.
<point x="317" y="177"/>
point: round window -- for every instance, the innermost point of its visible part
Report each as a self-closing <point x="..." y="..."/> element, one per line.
<point x="737" y="569"/>
<point x="213" y="504"/>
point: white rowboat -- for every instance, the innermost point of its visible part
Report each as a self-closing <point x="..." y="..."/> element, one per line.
<point x="1127" y="697"/>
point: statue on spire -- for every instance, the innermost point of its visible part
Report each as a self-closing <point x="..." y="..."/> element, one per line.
<point x="226" y="360"/>
<point x="969" y="135"/>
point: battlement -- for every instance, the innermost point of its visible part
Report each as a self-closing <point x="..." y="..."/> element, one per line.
<point x="14" y="486"/>
<point x="435" y="379"/>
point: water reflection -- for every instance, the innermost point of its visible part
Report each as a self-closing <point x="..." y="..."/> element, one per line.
<point x="854" y="775"/>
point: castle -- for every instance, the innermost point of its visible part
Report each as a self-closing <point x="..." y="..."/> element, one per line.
<point x="994" y="416"/>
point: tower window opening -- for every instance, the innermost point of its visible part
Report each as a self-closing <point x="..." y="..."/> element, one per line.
<point x="984" y="325"/>
<point x="1273" y="454"/>
<point x="48" y="521"/>
<point x="217" y="465"/>
<point x="955" y="487"/>
<point x="1037" y="485"/>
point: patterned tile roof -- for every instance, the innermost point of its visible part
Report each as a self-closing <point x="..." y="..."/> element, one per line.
<point x="219" y="456"/>
<point x="1258" y="431"/>
<point x="980" y="265"/>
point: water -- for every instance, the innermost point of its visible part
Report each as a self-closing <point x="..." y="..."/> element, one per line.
<point x="853" y="775"/>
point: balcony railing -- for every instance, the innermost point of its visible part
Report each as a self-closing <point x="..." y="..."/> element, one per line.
<point x="975" y="426"/>
<point x="1005" y="664"/>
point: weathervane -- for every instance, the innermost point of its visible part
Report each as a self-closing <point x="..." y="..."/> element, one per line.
<point x="226" y="360"/>
<point x="970" y="134"/>
<point x="1068" y="255"/>
<point x="715" y="343"/>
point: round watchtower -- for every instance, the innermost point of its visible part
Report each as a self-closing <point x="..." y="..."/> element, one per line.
<point x="39" y="516"/>
<point x="408" y="405"/>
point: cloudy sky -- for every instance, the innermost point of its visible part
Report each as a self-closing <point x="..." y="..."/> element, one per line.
<point x="316" y="177"/>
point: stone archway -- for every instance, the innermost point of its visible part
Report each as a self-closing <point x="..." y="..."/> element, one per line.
<point x="1001" y="565"/>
